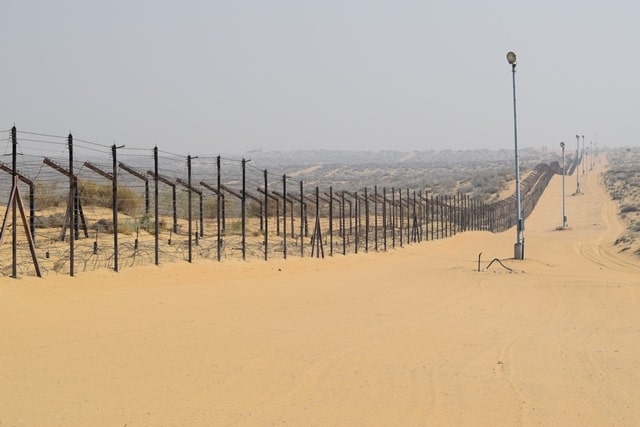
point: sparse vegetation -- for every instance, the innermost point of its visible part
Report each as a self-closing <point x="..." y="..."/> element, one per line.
<point x="622" y="181"/>
<point x="95" y="194"/>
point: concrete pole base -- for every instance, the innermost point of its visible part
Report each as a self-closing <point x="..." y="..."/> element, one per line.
<point x="518" y="251"/>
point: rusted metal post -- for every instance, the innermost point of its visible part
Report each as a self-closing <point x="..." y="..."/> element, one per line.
<point x="401" y="216"/>
<point x="244" y="211"/>
<point x="284" y="215"/>
<point x="393" y="217"/>
<point x="366" y="220"/>
<point x="357" y="202"/>
<point x="72" y="203"/>
<point x="384" y="217"/>
<point x="189" y="210"/>
<point x="114" y="184"/>
<point x="330" y="221"/>
<point x="175" y="209"/>
<point x="302" y="219"/>
<point x="155" y="207"/>
<point x="219" y="211"/>
<point x="408" y="217"/>
<point x="375" y="215"/>
<point x="14" y="207"/>
<point x="266" y="217"/>
<point x="344" y="227"/>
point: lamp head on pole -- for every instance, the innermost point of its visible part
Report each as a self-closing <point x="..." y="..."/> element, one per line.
<point x="511" y="58"/>
<point x="562" y="145"/>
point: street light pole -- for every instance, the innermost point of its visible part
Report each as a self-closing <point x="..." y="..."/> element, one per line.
<point x="518" y="249"/>
<point x="583" y="157"/>
<point x="578" y="159"/>
<point x="564" y="212"/>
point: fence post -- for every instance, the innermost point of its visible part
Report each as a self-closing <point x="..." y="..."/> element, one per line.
<point x="357" y="209"/>
<point x="14" y="207"/>
<point x="431" y="215"/>
<point x="317" y="231"/>
<point x="72" y="204"/>
<point x="330" y="221"/>
<point x="114" y="183"/>
<point x="32" y="211"/>
<point x="284" y="215"/>
<point x="393" y="217"/>
<point x="244" y="211"/>
<point x="155" y="206"/>
<point x="218" y="209"/>
<point x="442" y="222"/>
<point x="408" y="217"/>
<point x="450" y="213"/>
<point x="277" y="217"/>
<point x="344" y="228"/>
<point x="266" y="216"/>
<point x="375" y="215"/>
<point x="417" y="215"/>
<point x="426" y="215"/>
<point x="384" y="217"/>
<point x="189" y="212"/>
<point x="302" y="220"/>
<point x="401" y="216"/>
<point x="366" y="220"/>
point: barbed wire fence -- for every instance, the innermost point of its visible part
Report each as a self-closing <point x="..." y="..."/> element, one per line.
<point x="85" y="206"/>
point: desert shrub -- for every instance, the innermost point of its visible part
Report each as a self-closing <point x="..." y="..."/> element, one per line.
<point x="234" y="226"/>
<point x="253" y="208"/>
<point x="100" y="195"/>
<point x="210" y="208"/>
<point x="629" y="208"/>
<point x="128" y="226"/>
<point x="48" y="195"/>
<point x="623" y="239"/>
<point x="147" y="224"/>
<point x="103" y="225"/>
<point x="50" y="221"/>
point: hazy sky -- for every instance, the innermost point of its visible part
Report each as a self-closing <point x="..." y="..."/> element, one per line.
<point x="226" y="76"/>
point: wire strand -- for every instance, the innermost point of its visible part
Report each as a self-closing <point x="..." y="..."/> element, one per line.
<point x="40" y="134"/>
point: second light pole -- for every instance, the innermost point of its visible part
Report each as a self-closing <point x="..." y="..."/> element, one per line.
<point x="564" y="212"/>
<point x="578" y="160"/>
<point x="518" y="248"/>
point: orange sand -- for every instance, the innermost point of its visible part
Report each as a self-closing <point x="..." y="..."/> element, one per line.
<point x="415" y="336"/>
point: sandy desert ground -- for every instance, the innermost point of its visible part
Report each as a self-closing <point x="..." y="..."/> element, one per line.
<point x="412" y="337"/>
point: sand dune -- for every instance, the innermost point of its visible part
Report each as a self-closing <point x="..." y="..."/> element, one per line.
<point x="415" y="336"/>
